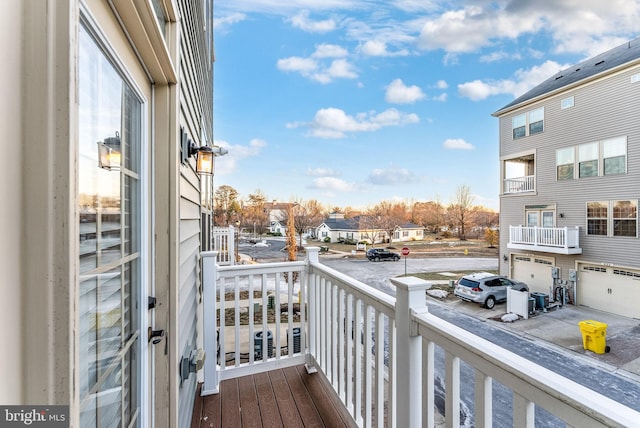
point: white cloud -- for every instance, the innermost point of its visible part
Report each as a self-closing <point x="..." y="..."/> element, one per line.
<point x="457" y="144"/>
<point x="442" y="97"/>
<point x="302" y="21"/>
<point x="223" y="24"/>
<point x="326" y="50"/>
<point x="391" y="176"/>
<point x="333" y="184"/>
<point x="576" y="26"/>
<point x="322" y="172"/>
<point x="296" y="63"/>
<point x="335" y="123"/>
<point x="522" y="81"/>
<point x="380" y="48"/>
<point x="228" y="163"/>
<point x="399" y="93"/>
<point x="441" y="84"/>
<point x="342" y="68"/>
<point x="321" y="72"/>
<point x="499" y="55"/>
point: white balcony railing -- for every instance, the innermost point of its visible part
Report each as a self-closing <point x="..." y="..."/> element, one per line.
<point x="520" y="184"/>
<point x="224" y="243"/>
<point x="561" y="240"/>
<point x="379" y="352"/>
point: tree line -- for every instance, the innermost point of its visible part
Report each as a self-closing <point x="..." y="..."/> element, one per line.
<point x="460" y="217"/>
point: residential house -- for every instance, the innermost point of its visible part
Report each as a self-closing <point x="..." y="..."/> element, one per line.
<point x="408" y="232"/>
<point x="277" y="213"/>
<point x="570" y="169"/>
<point x="360" y="228"/>
<point x="105" y="106"/>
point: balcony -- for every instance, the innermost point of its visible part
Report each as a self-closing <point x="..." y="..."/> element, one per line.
<point x="377" y="355"/>
<point x="558" y="240"/>
<point x="519" y="184"/>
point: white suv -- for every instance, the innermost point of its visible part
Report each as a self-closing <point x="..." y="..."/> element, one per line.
<point x="486" y="288"/>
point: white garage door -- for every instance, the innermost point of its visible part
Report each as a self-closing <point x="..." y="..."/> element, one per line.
<point x="610" y="289"/>
<point x="533" y="271"/>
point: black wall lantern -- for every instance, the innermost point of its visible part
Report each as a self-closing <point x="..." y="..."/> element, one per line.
<point x="204" y="154"/>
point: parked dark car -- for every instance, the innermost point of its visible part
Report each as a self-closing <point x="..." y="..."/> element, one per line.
<point x="486" y="288"/>
<point x="378" y="254"/>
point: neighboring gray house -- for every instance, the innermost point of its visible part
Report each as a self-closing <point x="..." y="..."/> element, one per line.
<point x="570" y="172"/>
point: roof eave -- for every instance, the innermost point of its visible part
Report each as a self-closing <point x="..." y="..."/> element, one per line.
<point x="565" y="88"/>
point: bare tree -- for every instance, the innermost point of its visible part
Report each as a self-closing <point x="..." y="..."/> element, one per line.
<point x="254" y="212"/>
<point x="429" y="215"/>
<point x="306" y="214"/>
<point x="227" y="207"/>
<point x="291" y="235"/>
<point x="460" y="209"/>
<point x="387" y="216"/>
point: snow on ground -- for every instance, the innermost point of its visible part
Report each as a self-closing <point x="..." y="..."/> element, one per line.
<point x="439" y="294"/>
<point x="509" y="318"/>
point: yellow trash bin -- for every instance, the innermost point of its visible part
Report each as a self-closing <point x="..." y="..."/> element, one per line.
<point x="594" y="336"/>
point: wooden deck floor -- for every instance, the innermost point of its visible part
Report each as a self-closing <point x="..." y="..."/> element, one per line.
<point x="286" y="397"/>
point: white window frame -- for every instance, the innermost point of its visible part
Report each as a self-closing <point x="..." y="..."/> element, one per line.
<point x="567" y="102"/>
<point x="610" y="219"/>
<point x="609" y="148"/>
<point x="526" y="120"/>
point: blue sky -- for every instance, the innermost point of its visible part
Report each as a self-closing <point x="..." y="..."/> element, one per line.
<point x="354" y="102"/>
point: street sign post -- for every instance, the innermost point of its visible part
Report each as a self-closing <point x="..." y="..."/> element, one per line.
<point x="405" y="253"/>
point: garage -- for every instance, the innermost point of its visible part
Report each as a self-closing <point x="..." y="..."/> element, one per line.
<point x="609" y="288"/>
<point x="535" y="271"/>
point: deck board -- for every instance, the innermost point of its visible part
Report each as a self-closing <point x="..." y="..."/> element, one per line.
<point x="249" y="407"/>
<point x="288" y="397"/>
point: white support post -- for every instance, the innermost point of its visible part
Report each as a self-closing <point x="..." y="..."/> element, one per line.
<point x="410" y="297"/>
<point x="310" y="298"/>
<point x="209" y="328"/>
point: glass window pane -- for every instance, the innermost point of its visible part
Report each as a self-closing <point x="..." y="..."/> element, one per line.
<point x="532" y="219"/>
<point x="567" y="102"/>
<point x="614" y="147"/>
<point x="624" y="228"/>
<point x="625" y="209"/>
<point x="597" y="209"/>
<point x="565" y="156"/>
<point x="588" y="169"/>
<point x="597" y="227"/>
<point x="536" y="127"/>
<point x="615" y="165"/>
<point x="536" y="115"/>
<point x="518" y="121"/>
<point x="587" y="152"/>
<point x="548" y="218"/>
<point x="565" y="172"/>
<point x="109" y="213"/>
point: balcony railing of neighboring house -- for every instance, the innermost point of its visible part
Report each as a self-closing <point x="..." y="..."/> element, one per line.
<point x="224" y="243"/>
<point x="559" y="240"/>
<point x="520" y="184"/>
<point x="377" y="351"/>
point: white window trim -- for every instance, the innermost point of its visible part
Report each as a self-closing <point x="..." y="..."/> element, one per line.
<point x="610" y="218"/>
